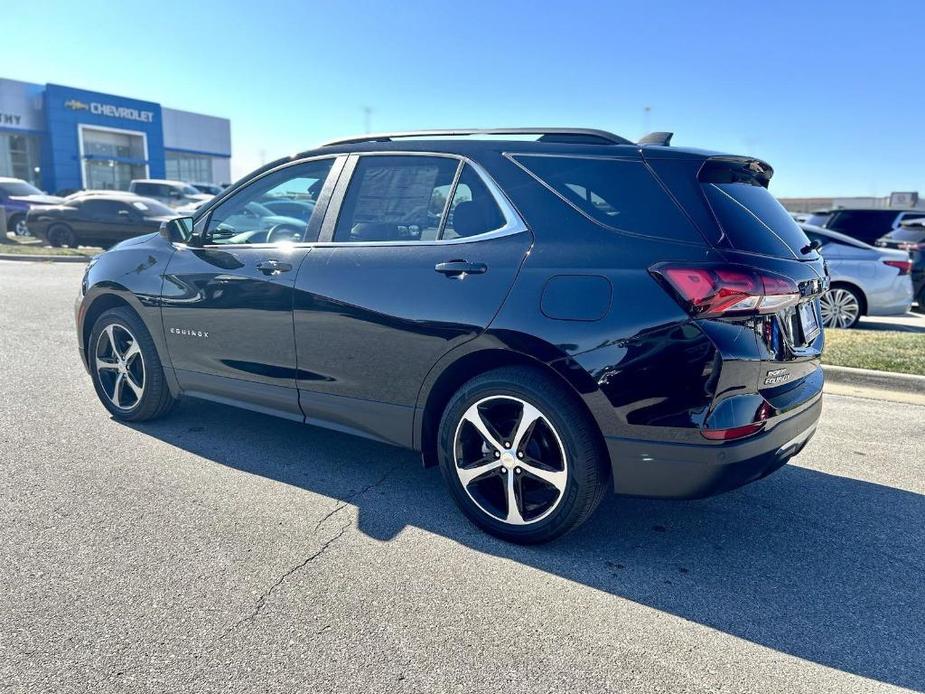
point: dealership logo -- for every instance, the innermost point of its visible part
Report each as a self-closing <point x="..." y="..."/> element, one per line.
<point x="98" y="109"/>
<point x="10" y="119"/>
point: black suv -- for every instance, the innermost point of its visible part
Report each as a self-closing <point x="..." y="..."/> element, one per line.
<point x="544" y="319"/>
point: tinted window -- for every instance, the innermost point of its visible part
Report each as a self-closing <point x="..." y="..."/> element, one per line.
<point x="145" y="188"/>
<point x="616" y="193"/>
<point x="473" y="210"/>
<point x="102" y="208"/>
<point x="753" y="220"/>
<point x="243" y="218"/>
<point x="866" y="225"/>
<point x="396" y="198"/>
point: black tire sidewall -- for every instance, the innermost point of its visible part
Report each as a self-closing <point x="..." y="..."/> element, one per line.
<point x="151" y="403"/>
<point x="584" y="473"/>
<point x="60" y="235"/>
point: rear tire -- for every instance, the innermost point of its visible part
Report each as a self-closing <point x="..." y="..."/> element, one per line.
<point x="126" y="369"/>
<point x="61" y="235"/>
<point x="841" y="307"/>
<point x="516" y="434"/>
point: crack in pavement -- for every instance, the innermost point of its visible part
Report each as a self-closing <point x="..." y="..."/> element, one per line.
<point x="262" y="600"/>
<point x="344" y="502"/>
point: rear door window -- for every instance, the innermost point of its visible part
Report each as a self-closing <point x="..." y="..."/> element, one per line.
<point x="754" y="221"/>
<point x="617" y="193"/>
<point x="396" y="198"/>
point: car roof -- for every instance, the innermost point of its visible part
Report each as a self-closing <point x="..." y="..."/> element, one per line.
<point x="159" y="180"/>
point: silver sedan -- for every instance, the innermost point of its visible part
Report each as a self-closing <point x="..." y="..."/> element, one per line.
<point x="866" y="281"/>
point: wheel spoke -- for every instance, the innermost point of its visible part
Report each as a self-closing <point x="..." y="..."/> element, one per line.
<point x="131" y="351"/>
<point x="556" y="478"/>
<point x="528" y="418"/>
<point x="112" y="342"/>
<point x="474" y="417"/>
<point x="513" y="511"/>
<point x="101" y="364"/>
<point x="468" y="474"/>
<point x="117" y="390"/>
<point x="136" y="389"/>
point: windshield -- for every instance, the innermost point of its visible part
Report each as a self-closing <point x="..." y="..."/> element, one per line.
<point x="189" y="190"/>
<point x="754" y="221"/>
<point x="19" y="188"/>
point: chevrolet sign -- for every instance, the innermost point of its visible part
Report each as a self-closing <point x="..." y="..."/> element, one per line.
<point x="111" y="111"/>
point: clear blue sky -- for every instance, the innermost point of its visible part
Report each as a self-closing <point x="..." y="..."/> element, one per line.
<point x="830" y="93"/>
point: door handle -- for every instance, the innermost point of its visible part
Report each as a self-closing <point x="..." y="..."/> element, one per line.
<point x="273" y="267"/>
<point x="459" y="268"/>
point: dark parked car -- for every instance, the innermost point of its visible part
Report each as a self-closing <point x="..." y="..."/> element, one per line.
<point x="17" y="197"/>
<point x="867" y="225"/>
<point x="910" y="237"/>
<point x="95" y="218"/>
<point x="542" y="319"/>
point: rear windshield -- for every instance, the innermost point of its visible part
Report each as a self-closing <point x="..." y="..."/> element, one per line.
<point x="866" y="225"/>
<point x="754" y="221"/>
<point x="617" y="193"/>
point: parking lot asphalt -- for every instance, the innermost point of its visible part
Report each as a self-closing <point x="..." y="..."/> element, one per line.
<point x="220" y="550"/>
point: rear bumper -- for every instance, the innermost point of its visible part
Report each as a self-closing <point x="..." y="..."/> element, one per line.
<point x="691" y="471"/>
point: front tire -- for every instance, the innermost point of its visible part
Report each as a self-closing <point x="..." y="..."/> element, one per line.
<point x="17" y="224"/>
<point x="126" y="370"/>
<point x="520" y="457"/>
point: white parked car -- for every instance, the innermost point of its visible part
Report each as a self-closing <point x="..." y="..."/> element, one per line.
<point x="865" y="281"/>
<point x="171" y="193"/>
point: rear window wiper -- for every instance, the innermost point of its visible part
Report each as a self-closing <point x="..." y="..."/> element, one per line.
<point x="811" y="246"/>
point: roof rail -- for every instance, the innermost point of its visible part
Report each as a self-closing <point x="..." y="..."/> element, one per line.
<point x="657" y="138"/>
<point x="584" y="135"/>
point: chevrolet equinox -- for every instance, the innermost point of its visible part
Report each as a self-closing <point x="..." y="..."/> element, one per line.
<point x="545" y="314"/>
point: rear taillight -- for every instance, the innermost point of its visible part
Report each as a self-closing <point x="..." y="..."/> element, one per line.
<point x="733" y="433"/>
<point x="708" y="291"/>
<point x="904" y="266"/>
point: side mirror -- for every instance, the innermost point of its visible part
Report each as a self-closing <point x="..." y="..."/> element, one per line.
<point x="179" y="230"/>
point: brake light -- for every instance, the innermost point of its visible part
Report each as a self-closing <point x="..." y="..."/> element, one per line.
<point x="711" y="291"/>
<point x="733" y="433"/>
<point x="904" y="266"/>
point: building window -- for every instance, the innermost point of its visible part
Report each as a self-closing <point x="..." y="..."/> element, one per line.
<point x="19" y="157"/>
<point x="182" y="166"/>
<point x="112" y="158"/>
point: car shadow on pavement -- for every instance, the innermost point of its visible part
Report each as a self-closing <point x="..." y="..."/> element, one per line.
<point x="821" y="567"/>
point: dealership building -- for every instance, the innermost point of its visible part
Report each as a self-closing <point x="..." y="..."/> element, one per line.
<point x="60" y="138"/>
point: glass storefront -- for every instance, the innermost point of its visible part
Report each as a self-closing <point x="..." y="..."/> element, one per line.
<point x="102" y="174"/>
<point x="19" y="157"/>
<point x="112" y="158"/>
<point x="182" y="166"/>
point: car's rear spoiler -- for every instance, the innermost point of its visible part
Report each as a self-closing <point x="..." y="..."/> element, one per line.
<point x="729" y="169"/>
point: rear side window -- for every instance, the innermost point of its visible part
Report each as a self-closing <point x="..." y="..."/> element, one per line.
<point x="754" y="221"/>
<point x="619" y="194"/>
<point x="865" y="225"/>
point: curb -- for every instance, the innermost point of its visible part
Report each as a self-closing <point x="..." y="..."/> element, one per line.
<point x="879" y="380"/>
<point x="46" y="258"/>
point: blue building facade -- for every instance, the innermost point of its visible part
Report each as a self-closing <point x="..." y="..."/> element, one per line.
<point x="61" y="138"/>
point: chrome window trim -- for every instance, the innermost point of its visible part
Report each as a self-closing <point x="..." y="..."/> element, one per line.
<point x="513" y="221"/>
